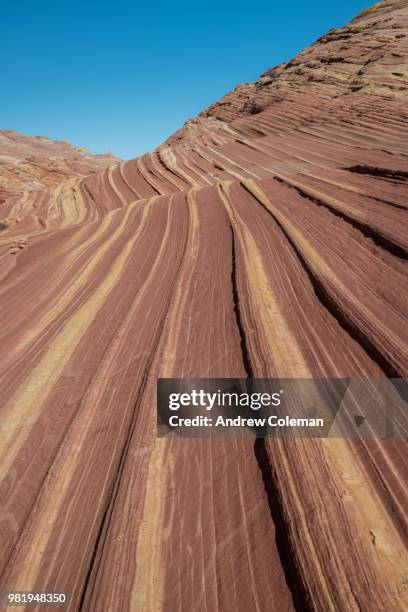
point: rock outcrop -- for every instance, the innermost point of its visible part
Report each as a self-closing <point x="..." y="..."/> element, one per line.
<point x="31" y="164"/>
<point x="266" y="238"/>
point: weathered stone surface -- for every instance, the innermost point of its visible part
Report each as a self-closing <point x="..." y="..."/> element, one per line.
<point x="266" y="238"/>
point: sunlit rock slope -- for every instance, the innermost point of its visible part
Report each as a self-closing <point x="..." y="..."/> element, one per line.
<point x="267" y="237"/>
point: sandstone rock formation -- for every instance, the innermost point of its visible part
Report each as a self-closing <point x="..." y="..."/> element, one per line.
<point x="266" y="238"/>
<point x="28" y="165"/>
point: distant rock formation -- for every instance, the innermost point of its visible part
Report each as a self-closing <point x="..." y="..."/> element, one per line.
<point x="30" y="163"/>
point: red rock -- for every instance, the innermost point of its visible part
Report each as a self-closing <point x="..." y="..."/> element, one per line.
<point x="266" y="238"/>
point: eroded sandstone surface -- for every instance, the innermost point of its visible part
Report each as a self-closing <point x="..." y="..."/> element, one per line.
<point x="30" y="164"/>
<point x="267" y="238"/>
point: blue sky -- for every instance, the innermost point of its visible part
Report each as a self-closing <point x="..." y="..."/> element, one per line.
<point x="124" y="75"/>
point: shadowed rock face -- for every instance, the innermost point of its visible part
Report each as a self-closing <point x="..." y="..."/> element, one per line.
<point x="266" y="238"/>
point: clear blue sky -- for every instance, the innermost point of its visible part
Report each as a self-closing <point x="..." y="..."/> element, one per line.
<point x="124" y="75"/>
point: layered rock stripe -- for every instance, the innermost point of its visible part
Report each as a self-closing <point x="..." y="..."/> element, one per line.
<point x="266" y="238"/>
